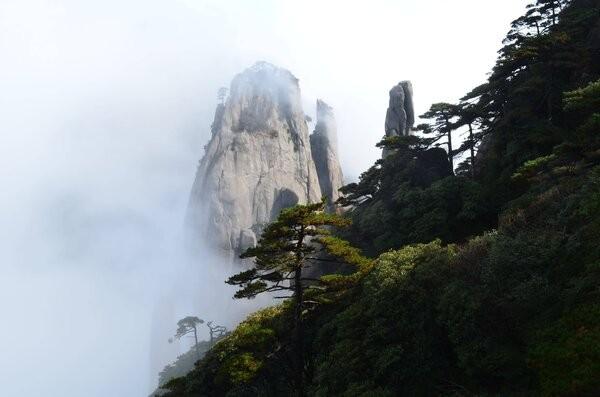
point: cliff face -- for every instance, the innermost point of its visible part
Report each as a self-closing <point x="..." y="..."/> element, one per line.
<point x="257" y="162"/>
<point x="323" y="143"/>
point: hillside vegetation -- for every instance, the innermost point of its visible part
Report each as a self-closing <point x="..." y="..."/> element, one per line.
<point x="484" y="280"/>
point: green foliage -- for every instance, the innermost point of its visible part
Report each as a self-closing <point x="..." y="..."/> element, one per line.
<point x="284" y="250"/>
<point x="511" y="312"/>
<point x="587" y="98"/>
<point x="185" y="362"/>
<point x="245" y="358"/>
<point x="532" y="167"/>
<point x="443" y="117"/>
<point x="590" y="205"/>
<point x="409" y="142"/>
<point x="367" y="347"/>
<point x="567" y="353"/>
<point x="585" y="102"/>
<point x="369" y="185"/>
<point x="243" y="353"/>
<point x="406" y="211"/>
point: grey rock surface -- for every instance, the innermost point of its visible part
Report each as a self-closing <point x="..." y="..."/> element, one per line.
<point x="324" y="148"/>
<point x="400" y="116"/>
<point x="257" y="162"/>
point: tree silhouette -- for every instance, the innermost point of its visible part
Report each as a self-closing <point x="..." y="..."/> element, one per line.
<point x="468" y="115"/>
<point x="215" y="331"/>
<point x="189" y="325"/>
<point x="441" y="126"/>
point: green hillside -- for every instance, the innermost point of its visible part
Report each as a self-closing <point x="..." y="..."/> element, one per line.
<point x="483" y="280"/>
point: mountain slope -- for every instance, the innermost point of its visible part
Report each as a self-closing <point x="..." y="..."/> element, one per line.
<point x="452" y="310"/>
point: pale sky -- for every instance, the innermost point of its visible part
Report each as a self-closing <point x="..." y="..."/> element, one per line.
<point x="104" y="109"/>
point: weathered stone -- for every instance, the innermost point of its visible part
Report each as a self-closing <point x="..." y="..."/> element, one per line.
<point x="257" y="162"/>
<point x="323" y="143"/>
<point x="400" y="116"/>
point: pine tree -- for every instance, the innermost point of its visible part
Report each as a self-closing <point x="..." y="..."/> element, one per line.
<point x="586" y="102"/>
<point x="284" y="251"/>
<point x="468" y="115"/>
<point x="442" y="116"/>
<point x="189" y="325"/>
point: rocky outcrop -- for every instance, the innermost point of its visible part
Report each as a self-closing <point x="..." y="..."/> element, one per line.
<point x="400" y="116"/>
<point x="323" y="144"/>
<point x="257" y="162"/>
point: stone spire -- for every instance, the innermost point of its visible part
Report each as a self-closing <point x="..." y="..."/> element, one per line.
<point x="323" y="143"/>
<point x="400" y="116"/>
<point x="257" y="162"/>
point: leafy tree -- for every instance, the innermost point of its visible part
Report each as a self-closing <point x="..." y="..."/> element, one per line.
<point x="585" y="102"/>
<point x="587" y="98"/>
<point x="525" y="26"/>
<point x="549" y="9"/>
<point x="215" y="332"/>
<point x="409" y="151"/>
<point x="355" y="194"/>
<point x="442" y="116"/>
<point x="468" y="115"/>
<point x="573" y="339"/>
<point x="285" y="250"/>
<point x="409" y="142"/>
<point x="411" y="197"/>
<point x="189" y="325"/>
<point x="372" y="181"/>
<point x="366" y="347"/>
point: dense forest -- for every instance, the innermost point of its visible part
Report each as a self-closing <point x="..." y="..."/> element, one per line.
<point x="480" y="279"/>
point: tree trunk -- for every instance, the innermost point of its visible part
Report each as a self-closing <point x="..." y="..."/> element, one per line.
<point x="298" y="329"/>
<point x="450" y="155"/>
<point x="472" y="150"/>
<point x="196" y="340"/>
<point x="298" y="333"/>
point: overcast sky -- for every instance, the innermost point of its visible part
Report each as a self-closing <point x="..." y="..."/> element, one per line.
<point x="104" y="109"/>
